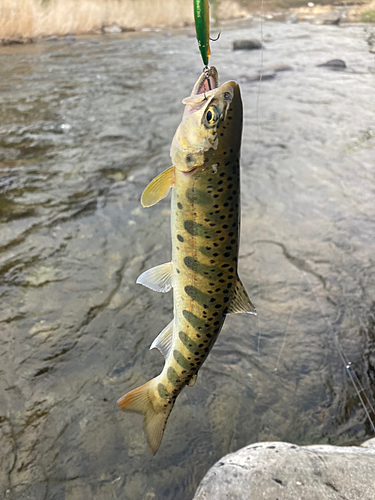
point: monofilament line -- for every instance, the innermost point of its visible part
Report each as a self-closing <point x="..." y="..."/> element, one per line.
<point x="260" y="71"/>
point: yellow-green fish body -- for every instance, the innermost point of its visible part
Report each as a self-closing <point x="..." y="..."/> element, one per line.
<point x="205" y="240"/>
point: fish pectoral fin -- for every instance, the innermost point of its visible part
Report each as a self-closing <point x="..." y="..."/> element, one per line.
<point x="163" y="341"/>
<point x="158" y="278"/>
<point x="192" y="380"/>
<point x="241" y="302"/>
<point x="158" y="188"/>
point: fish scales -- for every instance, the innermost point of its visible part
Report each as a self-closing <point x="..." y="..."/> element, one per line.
<point x="205" y="225"/>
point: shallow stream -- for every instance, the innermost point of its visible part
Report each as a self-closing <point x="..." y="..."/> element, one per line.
<point x="84" y="126"/>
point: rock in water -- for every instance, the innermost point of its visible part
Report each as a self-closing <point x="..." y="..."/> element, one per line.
<point x="261" y="76"/>
<point x="330" y="18"/>
<point x="285" y="471"/>
<point x="278" y="68"/>
<point x="251" y="44"/>
<point x="114" y="28"/>
<point x="335" y="64"/>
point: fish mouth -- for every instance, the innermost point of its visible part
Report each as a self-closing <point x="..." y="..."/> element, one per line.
<point x="209" y="80"/>
<point x="190" y="172"/>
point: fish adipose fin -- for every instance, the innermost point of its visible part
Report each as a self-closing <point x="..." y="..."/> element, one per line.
<point x="158" y="188"/>
<point x="192" y="380"/>
<point x="140" y="401"/>
<point x="163" y="341"/>
<point x="241" y="302"/>
<point x="158" y="278"/>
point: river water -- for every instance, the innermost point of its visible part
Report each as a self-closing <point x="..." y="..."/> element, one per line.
<point x="84" y="126"/>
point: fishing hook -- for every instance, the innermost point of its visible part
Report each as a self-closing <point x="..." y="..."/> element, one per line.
<point x="217" y="38"/>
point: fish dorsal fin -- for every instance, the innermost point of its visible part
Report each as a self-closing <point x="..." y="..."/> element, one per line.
<point x="159" y="278"/>
<point x="241" y="302"/>
<point x="158" y="188"/>
<point x="163" y="341"/>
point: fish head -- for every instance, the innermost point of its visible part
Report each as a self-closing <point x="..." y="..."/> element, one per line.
<point x="211" y="123"/>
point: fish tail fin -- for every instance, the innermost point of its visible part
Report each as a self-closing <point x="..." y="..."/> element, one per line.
<point x="141" y="400"/>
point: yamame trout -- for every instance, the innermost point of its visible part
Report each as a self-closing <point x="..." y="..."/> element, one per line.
<point x="205" y="220"/>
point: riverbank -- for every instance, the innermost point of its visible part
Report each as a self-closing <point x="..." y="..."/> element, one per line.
<point x="22" y="21"/>
<point x="25" y="22"/>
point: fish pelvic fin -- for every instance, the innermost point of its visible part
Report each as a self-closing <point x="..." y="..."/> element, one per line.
<point x="163" y="341"/>
<point x="241" y="302"/>
<point x="158" y="188"/>
<point x="146" y="401"/>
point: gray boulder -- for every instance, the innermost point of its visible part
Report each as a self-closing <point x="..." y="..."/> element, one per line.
<point x="113" y="29"/>
<point x="285" y="471"/>
<point x="330" y="18"/>
<point x="335" y="64"/>
<point x="252" y="44"/>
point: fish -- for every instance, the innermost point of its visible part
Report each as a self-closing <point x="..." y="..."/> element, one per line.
<point x="202" y="28"/>
<point x="205" y="225"/>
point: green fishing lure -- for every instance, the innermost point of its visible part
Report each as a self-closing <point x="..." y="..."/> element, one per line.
<point x="202" y="28"/>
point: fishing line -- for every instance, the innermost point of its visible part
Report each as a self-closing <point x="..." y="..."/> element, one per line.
<point x="260" y="71"/>
<point x="359" y="389"/>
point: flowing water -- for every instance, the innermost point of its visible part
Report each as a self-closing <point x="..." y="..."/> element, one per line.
<point x="84" y="126"/>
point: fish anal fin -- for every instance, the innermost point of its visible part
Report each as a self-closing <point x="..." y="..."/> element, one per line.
<point x="163" y="341"/>
<point x="140" y="401"/>
<point x="240" y="302"/>
<point x="158" y="188"/>
<point x="159" y="278"/>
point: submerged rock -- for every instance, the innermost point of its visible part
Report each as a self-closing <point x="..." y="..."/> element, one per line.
<point x="263" y="76"/>
<point x="277" y="68"/>
<point x="335" y="64"/>
<point x="251" y="44"/>
<point x="284" y="471"/>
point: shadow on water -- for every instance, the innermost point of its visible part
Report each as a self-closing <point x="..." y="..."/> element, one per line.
<point x="83" y="128"/>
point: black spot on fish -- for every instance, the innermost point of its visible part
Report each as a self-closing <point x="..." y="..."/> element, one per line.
<point x="180" y="238"/>
<point x="179" y="205"/>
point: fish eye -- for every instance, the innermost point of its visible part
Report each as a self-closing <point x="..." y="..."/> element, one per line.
<point x="212" y="116"/>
